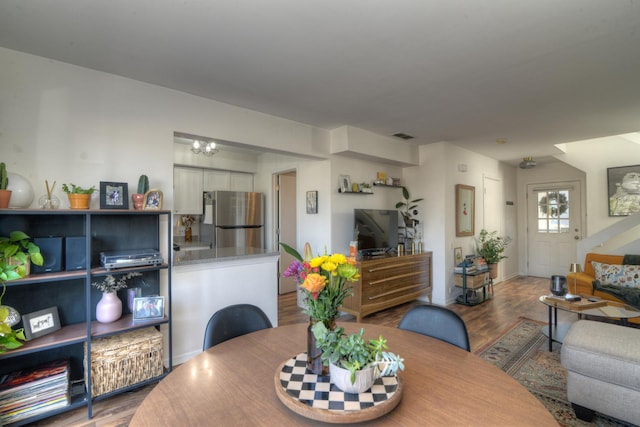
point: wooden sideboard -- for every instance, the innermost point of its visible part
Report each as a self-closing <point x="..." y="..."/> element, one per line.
<point x="389" y="281"/>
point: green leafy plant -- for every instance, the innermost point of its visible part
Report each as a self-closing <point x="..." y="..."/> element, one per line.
<point x="4" y="181"/>
<point x="491" y="247"/>
<point x="143" y="184"/>
<point x="75" y="189"/>
<point x="110" y="284"/>
<point x="354" y="352"/>
<point x="408" y="207"/>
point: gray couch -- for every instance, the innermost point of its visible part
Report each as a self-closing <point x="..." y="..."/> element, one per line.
<point x="603" y="370"/>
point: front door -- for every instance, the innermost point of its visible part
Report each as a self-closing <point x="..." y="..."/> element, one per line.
<point x="554" y="227"/>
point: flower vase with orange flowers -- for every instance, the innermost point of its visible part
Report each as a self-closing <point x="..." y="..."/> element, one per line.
<point x="325" y="282"/>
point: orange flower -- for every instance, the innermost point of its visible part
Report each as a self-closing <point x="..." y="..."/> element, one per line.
<point x="314" y="283"/>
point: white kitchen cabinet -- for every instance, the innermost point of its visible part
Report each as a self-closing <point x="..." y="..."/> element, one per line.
<point x="216" y="180"/>
<point x="187" y="190"/>
<point x="240" y="181"/>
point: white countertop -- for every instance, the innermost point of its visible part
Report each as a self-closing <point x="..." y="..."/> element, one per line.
<point x="190" y="257"/>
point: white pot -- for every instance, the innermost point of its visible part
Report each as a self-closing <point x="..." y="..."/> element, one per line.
<point x="341" y="378"/>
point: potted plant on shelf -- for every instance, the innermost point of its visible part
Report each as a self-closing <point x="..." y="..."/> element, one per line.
<point x="109" y="308"/>
<point x="16" y="253"/>
<point x="79" y="198"/>
<point x="354" y="362"/>
<point x="5" y="195"/>
<point x="143" y="187"/>
<point x="491" y="247"/>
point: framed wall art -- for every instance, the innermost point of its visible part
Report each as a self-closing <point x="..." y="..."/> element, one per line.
<point x="623" y="190"/>
<point x="114" y="195"/>
<point x="312" y="202"/>
<point x="40" y="323"/>
<point x="465" y="210"/>
<point x="153" y="199"/>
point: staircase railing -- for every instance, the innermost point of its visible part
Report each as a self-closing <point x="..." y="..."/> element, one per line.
<point x="620" y="238"/>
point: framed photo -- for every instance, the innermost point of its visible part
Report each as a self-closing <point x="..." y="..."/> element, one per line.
<point x="40" y="323"/>
<point x="465" y="210"/>
<point x="114" y="195"/>
<point x="623" y="190"/>
<point x="345" y="184"/>
<point x="457" y="256"/>
<point x="312" y="202"/>
<point x="148" y="308"/>
<point x="152" y="199"/>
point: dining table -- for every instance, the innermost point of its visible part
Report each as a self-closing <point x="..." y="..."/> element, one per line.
<point x="235" y="383"/>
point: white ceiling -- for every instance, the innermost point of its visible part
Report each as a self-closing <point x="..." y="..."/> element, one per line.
<point x="532" y="72"/>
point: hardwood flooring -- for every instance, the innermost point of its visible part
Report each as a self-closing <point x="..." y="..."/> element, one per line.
<point x="512" y="299"/>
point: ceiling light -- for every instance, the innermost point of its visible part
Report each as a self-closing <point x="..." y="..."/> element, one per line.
<point x="527" y="163"/>
<point x="206" y="148"/>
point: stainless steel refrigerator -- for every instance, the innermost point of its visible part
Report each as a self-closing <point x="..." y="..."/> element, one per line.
<point x="233" y="219"/>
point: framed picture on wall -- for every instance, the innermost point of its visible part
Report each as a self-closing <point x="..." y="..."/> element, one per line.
<point x="465" y="210"/>
<point x="623" y="190"/>
<point x="312" y="202"/>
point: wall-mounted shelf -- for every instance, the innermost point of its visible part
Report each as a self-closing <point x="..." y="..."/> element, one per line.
<point x="387" y="185"/>
<point x="355" y="192"/>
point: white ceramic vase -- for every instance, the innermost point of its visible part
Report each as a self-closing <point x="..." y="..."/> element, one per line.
<point x="341" y="378"/>
<point x="109" y="308"/>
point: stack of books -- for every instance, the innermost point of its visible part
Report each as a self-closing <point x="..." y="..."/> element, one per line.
<point x="460" y="269"/>
<point x="30" y="392"/>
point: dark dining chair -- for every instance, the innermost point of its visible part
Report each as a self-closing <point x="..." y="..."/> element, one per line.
<point x="437" y="322"/>
<point x="233" y="321"/>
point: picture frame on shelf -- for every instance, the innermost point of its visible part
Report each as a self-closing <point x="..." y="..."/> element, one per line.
<point x="623" y="190"/>
<point x="312" y="202"/>
<point x="465" y="210"/>
<point x="41" y="322"/>
<point x="457" y="256"/>
<point x="146" y="308"/>
<point x="114" y="195"/>
<point x="345" y="183"/>
<point x="152" y="199"/>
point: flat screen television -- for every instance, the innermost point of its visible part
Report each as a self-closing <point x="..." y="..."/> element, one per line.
<point x="377" y="230"/>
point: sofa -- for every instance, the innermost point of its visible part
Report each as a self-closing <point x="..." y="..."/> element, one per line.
<point x="603" y="370"/>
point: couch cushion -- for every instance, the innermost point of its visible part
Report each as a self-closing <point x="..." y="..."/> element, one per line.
<point x="627" y="276"/>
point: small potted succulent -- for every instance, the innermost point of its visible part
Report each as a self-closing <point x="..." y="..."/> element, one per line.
<point x="5" y="194"/>
<point x="79" y="198"/>
<point x="354" y="362"/>
<point x="143" y="187"/>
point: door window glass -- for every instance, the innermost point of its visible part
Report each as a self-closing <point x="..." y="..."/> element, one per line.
<point x="553" y="211"/>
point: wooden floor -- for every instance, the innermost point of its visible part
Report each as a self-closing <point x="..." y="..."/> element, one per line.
<point x="512" y="299"/>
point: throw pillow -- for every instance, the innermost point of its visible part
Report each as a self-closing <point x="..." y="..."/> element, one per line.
<point x="627" y="276"/>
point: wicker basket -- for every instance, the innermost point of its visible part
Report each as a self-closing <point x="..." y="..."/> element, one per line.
<point x="126" y="359"/>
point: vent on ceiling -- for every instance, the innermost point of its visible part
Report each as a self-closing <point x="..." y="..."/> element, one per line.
<point x="527" y="163"/>
<point x="403" y="136"/>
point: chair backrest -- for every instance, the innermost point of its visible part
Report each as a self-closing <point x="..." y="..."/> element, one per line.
<point x="437" y="322"/>
<point x="233" y="321"/>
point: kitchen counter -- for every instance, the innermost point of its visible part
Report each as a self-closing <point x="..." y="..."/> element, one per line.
<point x="216" y="255"/>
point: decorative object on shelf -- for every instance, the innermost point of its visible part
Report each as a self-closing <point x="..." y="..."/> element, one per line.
<point x="574" y="268"/>
<point x="365" y="188"/>
<point x="143" y="187"/>
<point x="114" y="195"/>
<point x="558" y="285"/>
<point x="49" y="201"/>
<point x="187" y="222"/>
<point x="623" y="184"/>
<point x="41" y="322"/>
<point x="132" y="294"/>
<point x="457" y="256"/>
<point x="206" y="148"/>
<point x="364" y="360"/>
<point x="465" y="210"/>
<point x="345" y="183"/>
<point x="79" y="198"/>
<point x="153" y="199"/>
<point x="312" y="202"/>
<point x="324" y="281"/>
<point x="408" y="208"/>
<point x="148" y="308"/>
<point x="5" y="195"/>
<point x="491" y="247"/>
<point x="21" y="191"/>
<point x="109" y="308"/>
<point x="9" y="338"/>
<point x="17" y="252"/>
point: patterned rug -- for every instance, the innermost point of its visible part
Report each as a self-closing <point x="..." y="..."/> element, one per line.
<point x="522" y="352"/>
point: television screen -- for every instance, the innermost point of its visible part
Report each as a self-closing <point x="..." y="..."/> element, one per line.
<point x="377" y="230"/>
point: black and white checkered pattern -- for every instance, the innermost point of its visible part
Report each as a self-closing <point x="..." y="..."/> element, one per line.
<point x="317" y="391"/>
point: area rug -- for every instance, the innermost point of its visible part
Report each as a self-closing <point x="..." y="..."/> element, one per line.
<point x="522" y="352"/>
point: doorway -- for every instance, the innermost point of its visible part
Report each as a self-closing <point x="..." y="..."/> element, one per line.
<point x="492" y="211"/>
<point x="286" y="230"/>
<point x="554" y="227"/>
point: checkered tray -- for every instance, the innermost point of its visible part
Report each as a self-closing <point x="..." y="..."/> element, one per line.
<point x="313" y="396"/>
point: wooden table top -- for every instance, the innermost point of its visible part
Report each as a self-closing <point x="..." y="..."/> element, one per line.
<point x="233" y="384"/>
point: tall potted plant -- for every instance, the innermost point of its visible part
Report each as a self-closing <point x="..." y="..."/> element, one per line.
<point x="79" y="198"/>
<point x="408" y="208"/>
<point x="5" y="194"/>
<point x="491" y="247"/>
